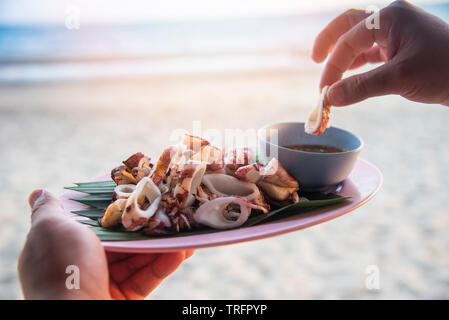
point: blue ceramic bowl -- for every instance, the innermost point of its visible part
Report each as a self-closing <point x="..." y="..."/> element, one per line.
<point x="313" y="170"/>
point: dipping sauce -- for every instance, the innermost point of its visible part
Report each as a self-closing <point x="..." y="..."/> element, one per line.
<point x="315" y="148"/>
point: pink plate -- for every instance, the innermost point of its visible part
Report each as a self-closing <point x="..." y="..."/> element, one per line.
<point x="361" y="185"/>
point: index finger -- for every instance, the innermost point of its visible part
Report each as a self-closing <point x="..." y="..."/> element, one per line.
<point x="327" y="38"/>
<point x="354" y="42"/>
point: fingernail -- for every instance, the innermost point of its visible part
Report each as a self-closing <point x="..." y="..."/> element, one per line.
<point x="336" y="95"/>
<point x="36" y="198"/>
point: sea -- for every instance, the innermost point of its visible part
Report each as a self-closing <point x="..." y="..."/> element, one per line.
<point x="53" y="53"/>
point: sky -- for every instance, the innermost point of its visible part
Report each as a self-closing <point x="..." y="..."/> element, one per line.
<point x="131" y="11"/>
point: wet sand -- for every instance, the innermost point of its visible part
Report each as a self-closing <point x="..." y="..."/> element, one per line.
<point x="54" y="134"/>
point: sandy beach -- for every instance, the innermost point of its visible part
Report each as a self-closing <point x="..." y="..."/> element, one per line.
<point x="54" y="134"/>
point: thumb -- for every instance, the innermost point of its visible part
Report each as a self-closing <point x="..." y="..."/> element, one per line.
<point x="44" y="205"/>
<point x="377" y="82"/>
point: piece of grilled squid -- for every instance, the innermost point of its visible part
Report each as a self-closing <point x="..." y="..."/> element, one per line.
<point x="194" y="143"/>
<point x="141" y="205"/>
<point x="162" y="165"/>
<point x="275" y="173"/>
<point x="189" y="179"/>
<point x="172" y="156"/>
<point x="113" y="214"/>
<point x="318" y="120"/>
<point x="273" y="179"/>
<point x="250" y="173"/>
<point x="277" y="183"/>
<point x="223" y="185"/>
<point x="212" y="156"/>
<point x="237" y="158"/>
<point x="223" y="213"/>
<point x="123" y="191"/>
<point x="134" y="160"/>
<point x="276" y="192"/>
<point x="143" y="168"/>
<point x="121" y="175"/>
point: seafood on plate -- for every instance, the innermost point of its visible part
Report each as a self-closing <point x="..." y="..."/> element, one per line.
<point x="195" y="184"/>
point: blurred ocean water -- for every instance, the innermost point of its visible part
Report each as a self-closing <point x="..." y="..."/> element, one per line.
<point x="56" y="53"/>
<point x="44" y="43"/>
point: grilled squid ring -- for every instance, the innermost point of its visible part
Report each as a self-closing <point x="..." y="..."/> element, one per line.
<point x="123" y="191"/>
<point x="223" y="213"/>
<point x="141" y="205"/>
<point x="222" y="185"/>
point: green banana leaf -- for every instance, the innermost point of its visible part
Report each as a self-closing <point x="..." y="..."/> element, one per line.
<point x="100" y="200"/>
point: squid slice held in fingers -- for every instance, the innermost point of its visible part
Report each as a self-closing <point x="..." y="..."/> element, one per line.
<point x="222" y="185"/>
<point x="189" y="179"/>
<point x="113" y="214"/>
<point x="318" y="120"/>
<point x="141" y="205"/>
<point x="223" y="213"/>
